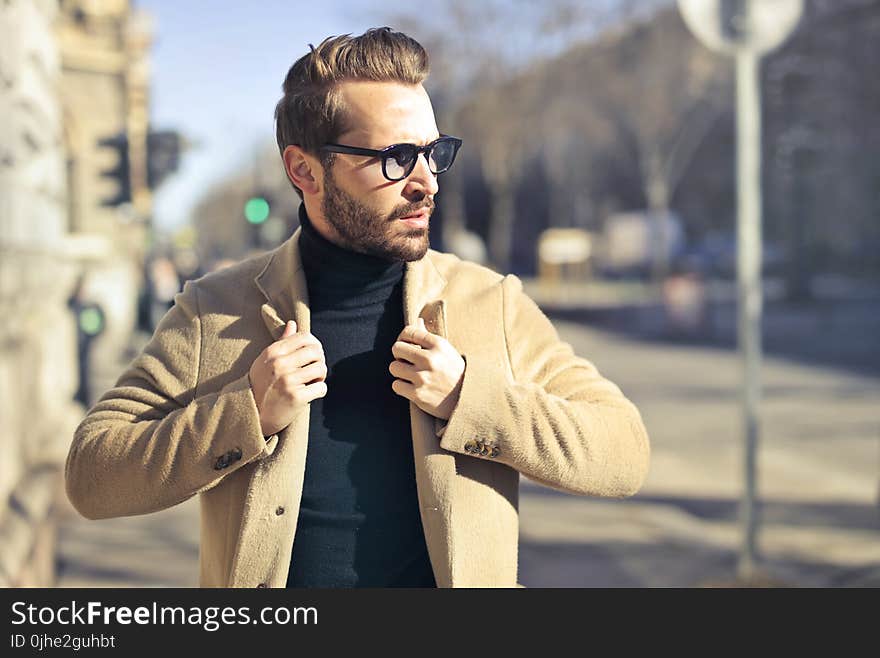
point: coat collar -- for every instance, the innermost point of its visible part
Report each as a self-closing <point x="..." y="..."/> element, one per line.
<point x="283" y="284"/>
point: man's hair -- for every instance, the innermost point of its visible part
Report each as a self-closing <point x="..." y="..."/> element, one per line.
<point x="311" y="113"/>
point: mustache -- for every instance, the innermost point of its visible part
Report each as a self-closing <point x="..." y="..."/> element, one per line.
<point x="412" y="208"/>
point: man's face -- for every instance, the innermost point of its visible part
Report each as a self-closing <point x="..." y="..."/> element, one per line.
<point x="369" y="213"/>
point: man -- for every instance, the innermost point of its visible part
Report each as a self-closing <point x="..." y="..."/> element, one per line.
<point x="353" y="408"/>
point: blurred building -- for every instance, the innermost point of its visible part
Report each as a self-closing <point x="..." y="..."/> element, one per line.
<point x="642" y="117"/>
<point x="822" y="109"/>
<point x="37" y="273"/>
<point x="104" y="94"/>
<point x="73" y="215"/>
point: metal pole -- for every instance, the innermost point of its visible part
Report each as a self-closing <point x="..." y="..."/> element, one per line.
<point x="748" y="99"/>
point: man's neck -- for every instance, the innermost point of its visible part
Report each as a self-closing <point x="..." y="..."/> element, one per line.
<point x="322" y="226"/>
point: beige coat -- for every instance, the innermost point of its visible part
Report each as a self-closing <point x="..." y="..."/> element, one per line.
<point x="182" y="420"/>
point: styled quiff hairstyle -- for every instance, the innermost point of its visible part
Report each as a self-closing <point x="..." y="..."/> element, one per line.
<point x="311" y="112"/>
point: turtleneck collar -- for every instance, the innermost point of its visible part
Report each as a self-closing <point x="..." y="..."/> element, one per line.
<point x="329" y="267"/>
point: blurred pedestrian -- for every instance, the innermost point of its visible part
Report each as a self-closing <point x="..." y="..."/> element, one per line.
<point x="90" y="321"/>
<point x="685" y="302"/>
<point x="164" y="284"/>
<point x="354" y="389"/>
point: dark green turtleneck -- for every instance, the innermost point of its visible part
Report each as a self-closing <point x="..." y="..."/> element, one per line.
<point x="359" y="522"/>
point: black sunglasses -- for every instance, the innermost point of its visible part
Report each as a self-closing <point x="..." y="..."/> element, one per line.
<point x="399" y="160"/>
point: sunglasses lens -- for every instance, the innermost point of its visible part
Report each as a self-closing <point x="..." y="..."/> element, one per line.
<point x="442" y="155"/>
<point x="399" y="161"/>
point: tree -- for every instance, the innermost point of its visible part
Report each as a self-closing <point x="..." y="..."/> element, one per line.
<point x="474" y="49"/>
<point x="662" y="94"/>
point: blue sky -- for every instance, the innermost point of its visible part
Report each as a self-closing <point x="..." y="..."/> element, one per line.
<point x="217" y="69"/>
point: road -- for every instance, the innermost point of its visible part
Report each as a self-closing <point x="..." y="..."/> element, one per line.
<point x="819" y="469"/>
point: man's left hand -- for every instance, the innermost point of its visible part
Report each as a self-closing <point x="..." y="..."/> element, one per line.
<point x="428" y="370"/>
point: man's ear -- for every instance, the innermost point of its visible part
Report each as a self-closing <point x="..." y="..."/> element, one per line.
<point x="302" y="169"/>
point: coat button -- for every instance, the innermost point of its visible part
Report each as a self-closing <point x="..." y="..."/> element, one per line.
<point x="470" y="446"/>
<point x="495" y="451"/>
<point x="262" y="586"/>
<point x="279" y="510"/>
<point x="223" y="461"/>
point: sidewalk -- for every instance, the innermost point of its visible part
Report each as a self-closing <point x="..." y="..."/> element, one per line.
<point x="153" y="550"/>
<point x="818" y="477"/>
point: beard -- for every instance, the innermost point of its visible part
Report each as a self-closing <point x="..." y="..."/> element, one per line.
<point x="362" y="229"/>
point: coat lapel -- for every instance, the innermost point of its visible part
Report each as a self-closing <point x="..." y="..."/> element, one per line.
<point x="264" y="555"/>
<point x="263" y="548"/>
<point x="435" y="468"/>
<point x="283" y="284"/>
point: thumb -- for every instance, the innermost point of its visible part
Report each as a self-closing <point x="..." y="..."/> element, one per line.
<point x="289" y="329"/>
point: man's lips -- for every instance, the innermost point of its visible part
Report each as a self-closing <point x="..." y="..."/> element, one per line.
<point x="422" y="212"/>
<point x="419" y="218"/>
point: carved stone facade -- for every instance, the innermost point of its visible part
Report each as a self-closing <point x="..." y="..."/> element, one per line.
<point x="71" y="73"/>
<point x="37" y="333"/>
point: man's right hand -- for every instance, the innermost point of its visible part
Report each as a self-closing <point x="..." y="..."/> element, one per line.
<point x="287" y="375"/>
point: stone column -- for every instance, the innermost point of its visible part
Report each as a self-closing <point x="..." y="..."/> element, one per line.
<point x="37" y="333"/>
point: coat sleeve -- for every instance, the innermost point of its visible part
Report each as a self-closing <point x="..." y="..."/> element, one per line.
<point x="153" y="441"/>
<point x="551" y="415"/>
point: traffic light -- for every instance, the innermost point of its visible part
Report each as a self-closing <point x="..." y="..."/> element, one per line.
<point x="256" y="211"/>
<point x="90" y="320"/>
<point x="163" y="156"/>
<point x="119" y="173"/>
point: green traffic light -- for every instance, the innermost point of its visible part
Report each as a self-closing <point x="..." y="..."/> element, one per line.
<point x="90" y="321"/>
<point x="256" y="210"/>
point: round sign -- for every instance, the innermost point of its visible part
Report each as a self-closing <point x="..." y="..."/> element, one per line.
<point x="732" y="26"/>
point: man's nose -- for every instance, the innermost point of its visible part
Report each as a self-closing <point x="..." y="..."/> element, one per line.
<point x="421" y="179"/>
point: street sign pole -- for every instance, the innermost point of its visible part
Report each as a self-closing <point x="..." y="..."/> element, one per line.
<point x="746" y="29"/>
<point x="749" y="297"/>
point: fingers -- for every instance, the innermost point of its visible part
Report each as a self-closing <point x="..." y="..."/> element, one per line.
<point x="299" y="375"/>
<point x="301" y="394"/>
<point x="299" y="355"/>
<point x="281" y="365"/>
<point x="316" y="372"/>
<point x="412" y="353"/>
<point x="403" y="370"/>
<point x="418" y="334"/>
<point x="290" y="342"/>
<point x="404" y="389"/>
<point x="299" y="378"/>
<point x="313" y="391"/>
